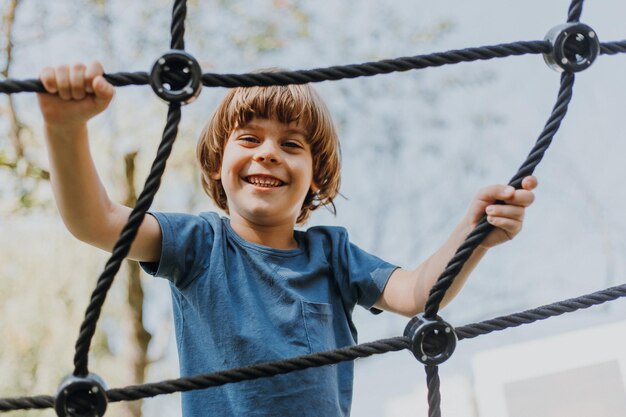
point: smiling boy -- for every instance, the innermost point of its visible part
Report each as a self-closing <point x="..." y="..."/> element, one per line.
<point x="249" y="288"/>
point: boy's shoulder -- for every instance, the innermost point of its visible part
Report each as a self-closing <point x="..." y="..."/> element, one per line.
<point x="182" y="224"/>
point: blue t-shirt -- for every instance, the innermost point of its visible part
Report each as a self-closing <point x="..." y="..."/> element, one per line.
<point x="237" y="303"/>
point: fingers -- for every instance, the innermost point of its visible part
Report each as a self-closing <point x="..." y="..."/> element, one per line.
<point x="505" y="212"/>
<point x="511" y="227"/>
<point x="77" y="81"/>
<point x="508" y="194"/>
<point x="74" y="82"/>
<point x="48" y="79"/>
<point x="529" y="183"/>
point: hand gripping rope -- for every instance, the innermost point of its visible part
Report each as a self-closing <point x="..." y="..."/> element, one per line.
<point x="177" y="78"/>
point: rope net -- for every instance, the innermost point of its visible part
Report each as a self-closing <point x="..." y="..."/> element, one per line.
<point x="263" y="370"/>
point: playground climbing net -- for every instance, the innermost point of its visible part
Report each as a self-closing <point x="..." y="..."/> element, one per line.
<point x="176" y="77"/>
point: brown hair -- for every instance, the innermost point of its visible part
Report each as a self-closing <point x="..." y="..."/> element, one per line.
<point x="286" y="104"/>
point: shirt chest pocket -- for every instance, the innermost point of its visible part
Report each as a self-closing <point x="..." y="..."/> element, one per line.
<point x="318" y="325"/>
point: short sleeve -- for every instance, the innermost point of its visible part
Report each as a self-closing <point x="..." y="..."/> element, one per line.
<point x="185" y="247"/>
<point x="363" y="275"/>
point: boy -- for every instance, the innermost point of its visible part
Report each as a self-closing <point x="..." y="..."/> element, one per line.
<point x="250" y="289"/>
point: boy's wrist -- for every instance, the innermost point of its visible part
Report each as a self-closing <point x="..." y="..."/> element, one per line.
<point x="65" y="129"/>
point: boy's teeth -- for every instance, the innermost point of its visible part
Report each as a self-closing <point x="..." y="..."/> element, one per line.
<point x="264" y="182"/>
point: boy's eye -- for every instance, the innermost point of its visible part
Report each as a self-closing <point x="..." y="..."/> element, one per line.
<point x="249" y="139"/>
<point x="292" y="144"/>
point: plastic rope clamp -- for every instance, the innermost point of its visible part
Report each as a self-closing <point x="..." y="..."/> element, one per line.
<point x="81" y="397"/>
<point x="432" y="340"/>
<point x="176" y="77"/>
<point x="574" y="47"/>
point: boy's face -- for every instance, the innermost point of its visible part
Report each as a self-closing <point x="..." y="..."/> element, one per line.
<point x="266" y="172"/>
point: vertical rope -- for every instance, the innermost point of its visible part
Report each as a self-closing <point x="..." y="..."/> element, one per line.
<point x="434" y="395"/>
<point x="575" y="10"/>
<point x="483" y="228"/>
<point x="122" y="246"/>
<point x="178" y="24"/>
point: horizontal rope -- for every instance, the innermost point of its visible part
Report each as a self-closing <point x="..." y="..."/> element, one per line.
<point x="262" y="370"/>
<point x="123" y="79"/>
<point x="541" y="313"/>
<point x="469" y="331"/>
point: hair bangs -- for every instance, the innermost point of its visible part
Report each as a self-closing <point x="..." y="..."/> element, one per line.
<point x="286" y="104"/>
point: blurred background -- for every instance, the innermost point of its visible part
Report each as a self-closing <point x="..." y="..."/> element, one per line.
<point x="416" y="147"/>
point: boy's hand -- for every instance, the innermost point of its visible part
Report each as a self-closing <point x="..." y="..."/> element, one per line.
<point x="507" y="218"/>
<point x="76" y="94"/>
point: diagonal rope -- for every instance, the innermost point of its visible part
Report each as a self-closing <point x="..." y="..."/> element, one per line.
<point x="124" y="242"/>
<point x="575" y="10"/>
<point x="483" y="228"/>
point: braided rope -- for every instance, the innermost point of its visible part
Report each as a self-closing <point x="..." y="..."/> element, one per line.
<point x="123" y="244"/>
<point x="39" y="402"/>
<point x="434" y="395"/>
<point x="541" y="313"/>
<point x="334" y="73"/>
<point x="483" y="228"/>
<point x="328" y="358"/>
<point x="178" y="24"/>
<point x="575" y="10"/>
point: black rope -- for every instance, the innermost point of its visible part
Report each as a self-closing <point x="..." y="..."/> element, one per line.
<point x="178" y="24"/>
<point x="334" y="73"/>
<point x="262" y="370"/>
<point x="320" y="74"/>
<point x="39" y="402"/>
<point x="575" y="10"/>
<point x="469" y="331"/>
<point x="122" y="246"/>
<point x="541" y="313"/>
<point x="612" y="48"/>
<point x="434" y="393"/>
<point x="376" y="68"/>
<point x="483" y="228"/>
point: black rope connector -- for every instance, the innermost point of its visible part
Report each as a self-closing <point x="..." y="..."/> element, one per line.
<point x="574" y="47"/>
<point x="81" y="397"/>
<point x="176" y="77"/>
<point x="432" y="341"/>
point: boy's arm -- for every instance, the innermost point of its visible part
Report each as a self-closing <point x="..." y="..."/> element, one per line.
<point x="76" y="94"/>
<point x="407" y="291"/>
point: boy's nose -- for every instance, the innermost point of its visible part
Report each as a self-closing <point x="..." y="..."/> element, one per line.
<point x="266" y="155"/>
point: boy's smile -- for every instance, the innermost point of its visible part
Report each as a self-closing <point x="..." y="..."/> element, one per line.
<point x="264" y="181"/>
<point x="266" y="172"/>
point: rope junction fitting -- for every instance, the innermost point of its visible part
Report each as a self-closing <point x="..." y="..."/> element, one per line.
<point x="575" y="46"/>
<point x="176" y="77"/>
<point x="432" y="340"/>
<point x="81" y="397"/>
